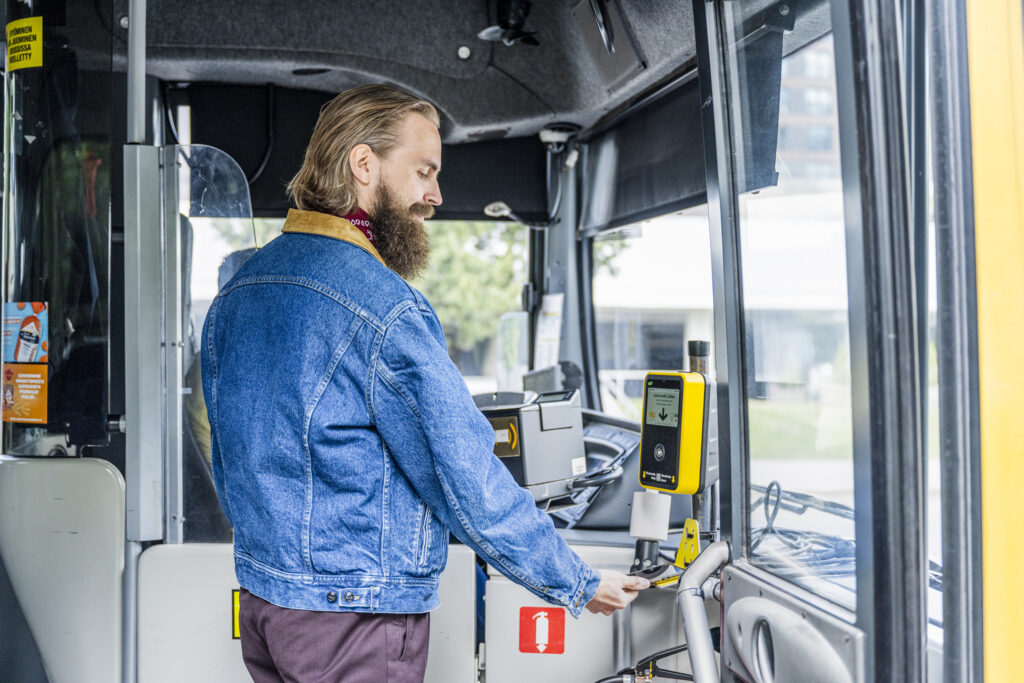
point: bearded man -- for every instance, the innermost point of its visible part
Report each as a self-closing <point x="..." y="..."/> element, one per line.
<point x="345" y="446"/>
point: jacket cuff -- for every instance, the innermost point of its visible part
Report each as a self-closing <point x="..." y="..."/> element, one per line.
<point x="584" y="592"/>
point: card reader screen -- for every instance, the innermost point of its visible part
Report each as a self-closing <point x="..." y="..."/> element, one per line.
<point x="663" y="407"/>
<point x="660" y="438"/>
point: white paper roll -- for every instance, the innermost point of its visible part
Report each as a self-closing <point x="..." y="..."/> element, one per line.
<point x="650" y="515"/>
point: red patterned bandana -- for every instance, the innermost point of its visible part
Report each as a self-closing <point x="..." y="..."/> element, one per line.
<point x="361" y="220"/>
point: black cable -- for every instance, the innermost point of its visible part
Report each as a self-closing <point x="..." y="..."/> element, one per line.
<point x="769" y="515"/>
<point x="827" y="556"/>
<point x="270" y="136"/>
<point x="170" y="118"/>
<point x="558" y="191"/>
<point x="661" y="654"/>
<point x="554" y="150"/>
<point x="800" y="503"/>
<point x="650" y="663"/>
<point x="599" y="478"/>
<point x="829" y="547"/>
<point x="648" y="667"/>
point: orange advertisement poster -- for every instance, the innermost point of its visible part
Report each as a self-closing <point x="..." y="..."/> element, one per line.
<point x="24" y="392"/>
<point x="25" y="343"/>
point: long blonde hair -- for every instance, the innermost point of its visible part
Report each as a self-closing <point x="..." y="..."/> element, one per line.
<point x="369" y="114"/>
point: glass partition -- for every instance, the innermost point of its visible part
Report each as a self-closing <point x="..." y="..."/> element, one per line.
<point x="56" y="229"/>
<point x="217" y="235"/>
<point x="795" y="305"/>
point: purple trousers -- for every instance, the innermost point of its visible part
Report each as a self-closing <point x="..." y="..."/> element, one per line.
<point x="297" y="646"/>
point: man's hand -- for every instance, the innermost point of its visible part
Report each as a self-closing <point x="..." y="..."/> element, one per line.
<point x="615" y="592"/>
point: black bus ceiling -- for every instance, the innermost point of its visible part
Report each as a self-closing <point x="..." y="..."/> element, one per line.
<point x="498" y="91"/>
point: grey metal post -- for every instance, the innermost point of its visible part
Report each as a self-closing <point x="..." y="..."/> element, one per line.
<point x="129" y="649"/>
<point x="561" y="267"/>
<point x="690" y="599"/>
<point x="143" y="466"/>
<point x="137" y="72"/>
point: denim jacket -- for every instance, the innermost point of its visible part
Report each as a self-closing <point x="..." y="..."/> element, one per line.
<point x="345" y="444"/>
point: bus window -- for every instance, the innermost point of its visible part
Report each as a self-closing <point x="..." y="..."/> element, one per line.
<point x="651" y="294"/>
<point x="474" y="279"/>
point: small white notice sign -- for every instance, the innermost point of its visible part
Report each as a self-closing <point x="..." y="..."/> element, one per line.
<point x="549" y="331"/>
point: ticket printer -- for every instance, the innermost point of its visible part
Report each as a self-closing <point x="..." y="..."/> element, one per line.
<point x="539" y="437"/>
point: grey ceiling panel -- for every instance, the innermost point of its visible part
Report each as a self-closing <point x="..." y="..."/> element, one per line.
<point x="423" y="34"/>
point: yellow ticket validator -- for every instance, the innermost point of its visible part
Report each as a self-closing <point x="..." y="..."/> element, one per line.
<point x="673" y="432"/>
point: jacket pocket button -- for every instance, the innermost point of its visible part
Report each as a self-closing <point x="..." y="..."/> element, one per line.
<point x="332" y="596"/>
<point x="349" y="597"/>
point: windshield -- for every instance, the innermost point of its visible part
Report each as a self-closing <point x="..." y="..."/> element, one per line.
<point x="474" y="280"/>
<point x="651" y="294"/>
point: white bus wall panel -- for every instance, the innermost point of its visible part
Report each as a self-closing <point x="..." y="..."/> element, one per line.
<point x="589" y="642"/>
<point x="186" y="617"/>
<point x="185" y="622"/>
<point x="452" y="654"/>
<point x="62" y="542"/>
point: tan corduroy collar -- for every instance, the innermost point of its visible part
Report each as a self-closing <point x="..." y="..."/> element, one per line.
<point x="316" y="223"/>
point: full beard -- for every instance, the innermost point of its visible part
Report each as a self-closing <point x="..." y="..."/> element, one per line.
<point x="401" y="239"/>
